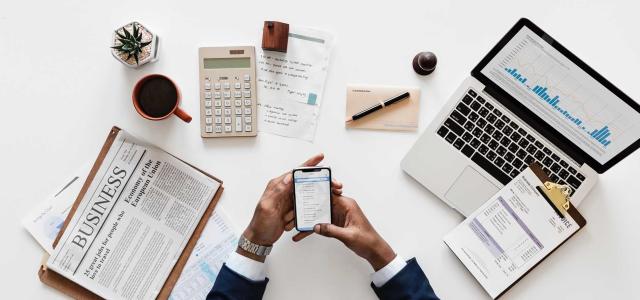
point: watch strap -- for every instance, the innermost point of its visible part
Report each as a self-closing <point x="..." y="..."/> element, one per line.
<point x="252" y="247"/>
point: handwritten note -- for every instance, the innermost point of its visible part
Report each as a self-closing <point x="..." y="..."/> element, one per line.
<point x="290" y="85"/>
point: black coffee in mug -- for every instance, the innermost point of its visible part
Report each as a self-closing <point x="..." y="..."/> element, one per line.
<point x="157" y="97"/>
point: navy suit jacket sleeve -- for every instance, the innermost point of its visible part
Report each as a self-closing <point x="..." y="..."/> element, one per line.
<point x="231" y="285"/>
<point x="409" y="283"/>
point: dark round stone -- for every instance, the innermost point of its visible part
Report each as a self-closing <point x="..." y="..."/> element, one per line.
<point x="424" y="63"/>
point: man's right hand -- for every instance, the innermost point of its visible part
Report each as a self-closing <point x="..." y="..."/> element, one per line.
<point x="352" y="228"/>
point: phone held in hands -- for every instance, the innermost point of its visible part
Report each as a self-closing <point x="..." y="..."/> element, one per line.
<point x="312" y="197"/>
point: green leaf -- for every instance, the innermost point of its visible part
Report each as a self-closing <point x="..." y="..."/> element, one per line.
<point x="120" y="34"/>
<point x="128" y="56"/>
<point x="117" y="47"/>
<point x="142" y="45"/>
<point x="135" y="30"/>
<point x="126" y="33"/>
<point x="136" y="57"/>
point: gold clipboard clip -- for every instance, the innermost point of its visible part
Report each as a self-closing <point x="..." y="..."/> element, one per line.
<point x="558" y="196"/>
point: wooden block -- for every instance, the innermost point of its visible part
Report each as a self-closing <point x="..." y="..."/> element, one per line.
<point x="275" y="36"/>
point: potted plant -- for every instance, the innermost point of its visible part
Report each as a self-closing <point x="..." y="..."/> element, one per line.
<point x="134" y="45"/>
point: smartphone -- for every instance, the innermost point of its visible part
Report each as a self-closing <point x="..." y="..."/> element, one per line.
<point x="312" y="197"/>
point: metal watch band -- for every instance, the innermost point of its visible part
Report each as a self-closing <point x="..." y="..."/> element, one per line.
<point x="253" y="248"/>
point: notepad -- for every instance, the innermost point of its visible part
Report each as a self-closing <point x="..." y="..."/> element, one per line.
<point x="401" y="116"/>
<point x="513" y="232"/>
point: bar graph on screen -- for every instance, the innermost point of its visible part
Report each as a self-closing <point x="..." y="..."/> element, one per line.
<point x="564" y="95"/>
<point x="564" y="99"/>
<point x="600" y="134"/>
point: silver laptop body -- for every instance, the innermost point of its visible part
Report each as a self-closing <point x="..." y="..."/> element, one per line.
<point x="487" y="133"/>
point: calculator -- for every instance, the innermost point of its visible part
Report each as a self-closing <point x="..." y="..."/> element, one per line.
<point x="227" y="91"/>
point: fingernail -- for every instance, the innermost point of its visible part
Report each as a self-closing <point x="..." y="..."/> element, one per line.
<point x="287" y="179"/>
<point x="316" y="228"/>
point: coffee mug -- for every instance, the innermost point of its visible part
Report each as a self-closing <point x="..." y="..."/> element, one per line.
<point x="156" y="97"/>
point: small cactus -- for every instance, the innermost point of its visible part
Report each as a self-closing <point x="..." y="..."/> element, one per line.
<point x="130" y="43"/>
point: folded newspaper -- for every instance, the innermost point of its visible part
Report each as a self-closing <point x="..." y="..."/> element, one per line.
<point x="133" y="222"/>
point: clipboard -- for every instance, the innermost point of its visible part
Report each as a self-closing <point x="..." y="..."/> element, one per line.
<point x="571" y="210"/>
<point x="72" y="289"/>
<point x="557" y="197"/>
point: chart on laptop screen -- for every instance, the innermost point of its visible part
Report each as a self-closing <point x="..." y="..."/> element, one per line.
<point x="565" y="96"/>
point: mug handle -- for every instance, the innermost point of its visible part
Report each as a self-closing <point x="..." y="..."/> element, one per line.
<point x="182" y="115"/>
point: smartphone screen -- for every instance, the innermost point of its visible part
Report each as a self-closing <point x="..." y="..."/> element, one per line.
<point x="312" y="197"/>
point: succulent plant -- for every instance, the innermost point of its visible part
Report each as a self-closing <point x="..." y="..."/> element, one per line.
<point x="130" y="42"/>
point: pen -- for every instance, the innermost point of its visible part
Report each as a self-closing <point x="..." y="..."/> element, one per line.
<point x="379" y="106"/>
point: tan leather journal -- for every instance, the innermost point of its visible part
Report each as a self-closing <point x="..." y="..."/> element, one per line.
<point x="76" y="291"/>
<point x="400" y="116"/>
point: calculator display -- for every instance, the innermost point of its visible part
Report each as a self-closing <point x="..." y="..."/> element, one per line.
<point x="227" y="63"/>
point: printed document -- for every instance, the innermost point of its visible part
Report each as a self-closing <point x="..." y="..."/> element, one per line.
<point x="217" y="241"/>
<point x="134" y="221"/>
<point x="509" y="234"/>
<point x="290" y="85"/>
<point x="45" y="220"/>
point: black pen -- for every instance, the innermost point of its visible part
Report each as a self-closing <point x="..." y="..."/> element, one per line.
<point x="379" y="106"/>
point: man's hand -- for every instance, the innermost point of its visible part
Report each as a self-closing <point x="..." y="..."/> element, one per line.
<point x="275" y="210"/>
<point x="352" y="228"/>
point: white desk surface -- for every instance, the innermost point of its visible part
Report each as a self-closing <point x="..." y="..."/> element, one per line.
<point x="61" y="91"/>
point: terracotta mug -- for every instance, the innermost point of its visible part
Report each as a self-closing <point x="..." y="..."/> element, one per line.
<point x="157" y="97"/>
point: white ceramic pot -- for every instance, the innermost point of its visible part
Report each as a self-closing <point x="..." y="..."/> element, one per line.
<point x="149" y="52"/>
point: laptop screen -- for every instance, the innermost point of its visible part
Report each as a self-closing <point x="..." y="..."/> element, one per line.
<point x="564" y="95"/>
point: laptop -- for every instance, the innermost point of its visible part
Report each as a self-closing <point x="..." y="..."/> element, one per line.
<point x="528" y="100"/>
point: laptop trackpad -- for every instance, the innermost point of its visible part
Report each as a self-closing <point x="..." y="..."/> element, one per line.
<point x="470" y="191"/>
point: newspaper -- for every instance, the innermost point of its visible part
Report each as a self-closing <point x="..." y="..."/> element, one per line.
<point x="133" y="223"/>
<point x="217" y="241"/>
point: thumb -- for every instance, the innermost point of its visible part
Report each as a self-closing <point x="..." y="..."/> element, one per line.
<point x="330" y="230"/>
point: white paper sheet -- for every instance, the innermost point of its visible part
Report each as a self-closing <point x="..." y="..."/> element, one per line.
<point x="509" y="234"/>
<point x="46" y="219"/>
<point x="290" y="85"/>
<point x="217" y="241"/>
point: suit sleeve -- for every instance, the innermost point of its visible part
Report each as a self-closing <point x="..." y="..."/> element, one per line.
<point x="409" y="283"/>
<point x="231" y="285"/>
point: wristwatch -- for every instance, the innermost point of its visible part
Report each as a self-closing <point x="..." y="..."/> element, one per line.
<point x="253" y="248"/>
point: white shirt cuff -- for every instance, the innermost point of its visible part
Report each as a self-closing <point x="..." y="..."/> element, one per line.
<point x="391" y="269"/>
<point x="247" y="267"/>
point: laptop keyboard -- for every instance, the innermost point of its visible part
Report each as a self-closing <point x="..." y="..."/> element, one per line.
<point x="499" y="145"/>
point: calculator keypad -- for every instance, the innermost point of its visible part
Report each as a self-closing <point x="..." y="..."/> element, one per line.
<point x="228" y="105"/>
